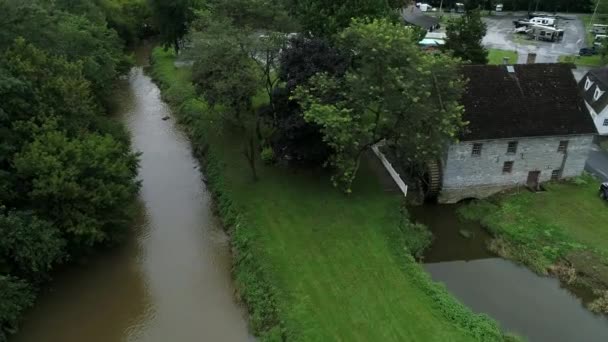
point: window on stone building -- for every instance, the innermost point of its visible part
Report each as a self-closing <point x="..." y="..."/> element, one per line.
<point x="605" y="122"/>
<point x="563" y="146"/>
<point x="512" y="148"/>
<point x="477" y="149"/>
<point x="507" y="167"/>
<point x="555" y="174"/>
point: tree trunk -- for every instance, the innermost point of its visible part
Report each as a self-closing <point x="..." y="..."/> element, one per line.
<point x="176" y="46"/>
<point x="249" y="153"/>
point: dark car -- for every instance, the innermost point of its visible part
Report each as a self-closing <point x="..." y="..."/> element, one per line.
<point x="604" y="191"/>
<point x="587" y="51"/>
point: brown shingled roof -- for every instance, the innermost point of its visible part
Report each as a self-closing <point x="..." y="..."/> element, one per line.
<point x="534" y="100"/>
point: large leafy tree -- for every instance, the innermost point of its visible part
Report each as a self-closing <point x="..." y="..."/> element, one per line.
<point x="326" y="18"/>
<point x="255" y="14"/>
<point x="227" y="77"/>
<point x="294" y="138"/>
<point x="84" y="185"/>
<point x="464" y="36"/>
<point x="29" y="246"/>
<point x="172" y="18"/>
<point x="97" y="47"/>
<point x="393" y="92"/>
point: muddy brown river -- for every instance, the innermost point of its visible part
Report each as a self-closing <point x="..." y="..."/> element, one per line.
<point x="171" y="281"/>
<point x="537" y="308"/>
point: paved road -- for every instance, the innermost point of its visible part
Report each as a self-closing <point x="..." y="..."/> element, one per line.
<point x="500" y="36"/>
<point x="597" y="164"/>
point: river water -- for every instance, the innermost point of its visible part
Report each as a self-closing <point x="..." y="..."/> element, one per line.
<point x="537" y="308"/>
<point x="171" y="281"/>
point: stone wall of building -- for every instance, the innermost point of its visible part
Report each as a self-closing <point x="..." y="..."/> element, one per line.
<point x="468" y="176"/>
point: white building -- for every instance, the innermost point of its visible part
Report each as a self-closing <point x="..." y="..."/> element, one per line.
<point x="527" y="125"/>
<point x="593" y="87"/>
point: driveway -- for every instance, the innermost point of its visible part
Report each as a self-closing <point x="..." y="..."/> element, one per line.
<point x="597" y="164"/>
<point x="500" y="36"/>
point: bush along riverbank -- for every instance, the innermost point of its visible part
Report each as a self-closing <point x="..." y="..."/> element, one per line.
<point x="309" y="262"/>
<point x="561" y="232"/>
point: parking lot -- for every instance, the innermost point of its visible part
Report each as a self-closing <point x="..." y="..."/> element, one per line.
<point x="500" y="36"/>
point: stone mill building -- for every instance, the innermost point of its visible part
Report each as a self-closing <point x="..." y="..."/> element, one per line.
<point x="528" y="124"/>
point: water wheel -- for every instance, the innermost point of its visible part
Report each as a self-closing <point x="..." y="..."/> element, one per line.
<point x="432" y="179"/>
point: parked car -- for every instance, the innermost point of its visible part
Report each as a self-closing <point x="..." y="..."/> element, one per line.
<point x="604" y="191"/>
<point x="587" y="51"/>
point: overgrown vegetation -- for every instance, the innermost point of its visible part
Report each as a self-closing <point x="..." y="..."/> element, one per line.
<point x="67" y="177"/>
<point x="560" y="231"/>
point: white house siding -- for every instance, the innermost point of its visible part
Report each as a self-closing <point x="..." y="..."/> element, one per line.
<point x="598" y="119"/>
<point x="468" y="176"/>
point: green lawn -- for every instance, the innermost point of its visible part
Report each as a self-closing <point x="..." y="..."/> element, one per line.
<point x="577" y="209"/>
<point x="541" y="228"/>
<point x="591" y="61"/>
<point x="496" y="56"/>
<point x="337" y="263"/>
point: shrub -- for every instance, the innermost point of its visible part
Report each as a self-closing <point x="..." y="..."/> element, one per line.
<point x="267" y="155"/>
<point x="600" y="304"/>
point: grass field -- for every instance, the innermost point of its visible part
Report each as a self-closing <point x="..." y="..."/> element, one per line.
<point x="540" y="228"/>
<point x="495" y="56"/>
<point x="590" y="61"/>
<point x="337" y="264"/>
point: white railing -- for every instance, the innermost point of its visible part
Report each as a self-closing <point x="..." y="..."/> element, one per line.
<point x="389" y="167"/>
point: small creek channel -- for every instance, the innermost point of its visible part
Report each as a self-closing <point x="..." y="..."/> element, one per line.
<point x="171" y="281"/>
<point x="537" y="308"/>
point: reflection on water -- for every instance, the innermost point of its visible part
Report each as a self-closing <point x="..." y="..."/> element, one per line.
<point x="172" y="281"/>
<point x="535" y="307"/>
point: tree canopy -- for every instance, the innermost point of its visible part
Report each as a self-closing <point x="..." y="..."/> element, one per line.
<point x="393" y="92"/>
<point x="464" y="36"/>
<point x="326" y="18"/>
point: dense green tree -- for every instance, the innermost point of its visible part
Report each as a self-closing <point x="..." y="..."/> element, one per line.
<point x="464" y="36"/>
<point x="255" y="14"/>
<point x="84" y="185"/>
<point x="172" y="18"/>
<point x="16" y="296"/>
<point x="294" y="139"/>
<point x="225" y="74"/>
<point x="61" y="33"/>
<point x="29" y="246"/>
<point x="393" y="92"/>
<point x="326" y="18"/>
<point x="130" y="18"/>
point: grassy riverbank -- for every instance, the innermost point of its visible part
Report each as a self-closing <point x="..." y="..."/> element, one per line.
<point x="562" y="227"/>
<point x="311" y="263"/>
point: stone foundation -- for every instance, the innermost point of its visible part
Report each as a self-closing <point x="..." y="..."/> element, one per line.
<point x="455" y="195"/>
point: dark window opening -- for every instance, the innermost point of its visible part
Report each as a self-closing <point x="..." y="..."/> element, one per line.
<point x="563" y="146"/>
<point x="512" y="148"/>
<point x="605" y="122"/>
<point x="477" y="149"/>
<point x="507" y="167"/>
<point x="555" y="174"/>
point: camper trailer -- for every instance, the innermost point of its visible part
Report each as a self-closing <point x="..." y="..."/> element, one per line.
<point x="544" y="21"/>
<point x="599" y="29"/>
<point x="546" y="33"/>
<point x="459" y="7"/>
